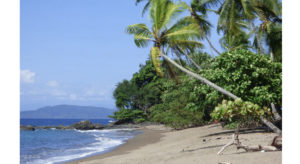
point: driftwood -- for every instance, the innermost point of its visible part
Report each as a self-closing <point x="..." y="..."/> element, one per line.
<point x="277" y="142"/>
<point x="275" y="145"/>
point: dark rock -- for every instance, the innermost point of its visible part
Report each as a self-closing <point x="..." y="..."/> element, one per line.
<point x="99" y="126"/>
<point x="87" y="125"/>
<point x="44" y="127"/>
<point x="61" y="127"/>
<point x="28" y="127"/>
<point x="83" y="125"/>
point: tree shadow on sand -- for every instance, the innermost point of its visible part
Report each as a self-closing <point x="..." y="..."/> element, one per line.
<point x="242" y="131"/>
<point x="206" y="147"/>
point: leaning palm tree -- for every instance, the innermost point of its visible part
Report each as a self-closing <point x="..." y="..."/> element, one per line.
<point x="163" y="34"/>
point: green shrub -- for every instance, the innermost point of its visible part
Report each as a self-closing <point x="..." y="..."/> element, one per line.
<point x="129" y="115"/>
<point x="239" y="111"/>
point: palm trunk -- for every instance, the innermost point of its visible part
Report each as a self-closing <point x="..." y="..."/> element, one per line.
<point x="189" y="58"/>
<point x="216" y="87"/>
<point x="210" y="44"/>
<point x="202" y="79"/>
<point x="272" y="55"/>
<point x="259" y="44"/>
<point x="194" y="15"/>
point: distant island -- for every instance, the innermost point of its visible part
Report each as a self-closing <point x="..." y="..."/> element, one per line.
<point x="68" y="112"/>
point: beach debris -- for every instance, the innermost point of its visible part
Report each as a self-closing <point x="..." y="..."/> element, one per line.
<point x="277" y="142"/>
<point x="235" y="141"/>
<point x="218" y="138"/>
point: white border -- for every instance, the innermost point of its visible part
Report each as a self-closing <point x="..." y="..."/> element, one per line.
<point x="9" y="82"/>
<point x="291" y="81"/>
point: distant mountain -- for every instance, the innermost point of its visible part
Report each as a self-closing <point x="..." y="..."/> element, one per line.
<point x="68" y="112"/>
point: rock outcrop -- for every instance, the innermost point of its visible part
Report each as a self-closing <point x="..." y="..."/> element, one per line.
<point x="28" y="127"/>
<point x="87" y="125"/>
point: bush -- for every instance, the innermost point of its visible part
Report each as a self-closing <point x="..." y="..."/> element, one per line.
<point x="129" y="116"/>
<point x="176" y="109"/>
<point x="239" y="111"/>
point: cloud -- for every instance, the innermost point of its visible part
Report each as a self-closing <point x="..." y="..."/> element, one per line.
<point x="57" y="92"/>
<point x="52" y="83"/>
<point x="73" y="97"/>
<point x="27" y="76"/>
<point x="97" y="94"/>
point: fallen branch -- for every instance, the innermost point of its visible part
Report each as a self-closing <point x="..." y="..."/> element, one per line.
<point x="225" y="146"/>
<point x="276" y="145"/>
<point x="270" y="125"/>
<point x="275" y="113"/>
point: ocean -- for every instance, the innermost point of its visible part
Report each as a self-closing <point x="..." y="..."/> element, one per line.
<point x="59" y="146"/>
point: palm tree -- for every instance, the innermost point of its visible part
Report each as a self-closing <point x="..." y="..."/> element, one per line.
<point x="204" y="26"/>
<point x="237" y="15"/>
<point x="196" y="6"/>
<point x="237" y="41"/>
<point x="233" y="18"/>
<point x="183" y="32"/>
<point x="269" y="12"/>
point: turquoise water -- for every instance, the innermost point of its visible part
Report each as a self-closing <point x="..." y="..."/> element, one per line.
<point x="58" y="146"/>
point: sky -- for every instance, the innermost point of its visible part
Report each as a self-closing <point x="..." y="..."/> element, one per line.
<point x="76" y="51"/>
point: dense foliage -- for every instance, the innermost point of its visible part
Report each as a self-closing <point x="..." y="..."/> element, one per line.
<point x="252" y="77"/>
<point x="135" y="97"/>
<point x="198" y="83"/>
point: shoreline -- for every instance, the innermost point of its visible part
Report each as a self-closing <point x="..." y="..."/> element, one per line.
<point x="193" y="146"/>
<point x="148" y="136"/>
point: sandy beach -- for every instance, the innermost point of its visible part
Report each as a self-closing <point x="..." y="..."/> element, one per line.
<point x="159" y="144"/>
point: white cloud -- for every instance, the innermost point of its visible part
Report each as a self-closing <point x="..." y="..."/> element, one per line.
<point x="96" y="94"/>
<point x="57" y="92"/>
<point x="52" y="83"/>
<point x="90" y="92"/>
<point x="73" y="97"/>
<point x="27" y="76"/>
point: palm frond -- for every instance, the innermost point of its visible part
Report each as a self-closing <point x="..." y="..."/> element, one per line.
<point x="142" y="40"/>
<point x="157" y="13"/>
<point x="172" y="10"/>
<point x="188" y="31"/>
<point x="138" y="28"/>
<point x="142" y="35"/>
<point x="187" y="43"/>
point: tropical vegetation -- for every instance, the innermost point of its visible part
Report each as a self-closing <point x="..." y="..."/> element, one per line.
<point x="181" y="86"/>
